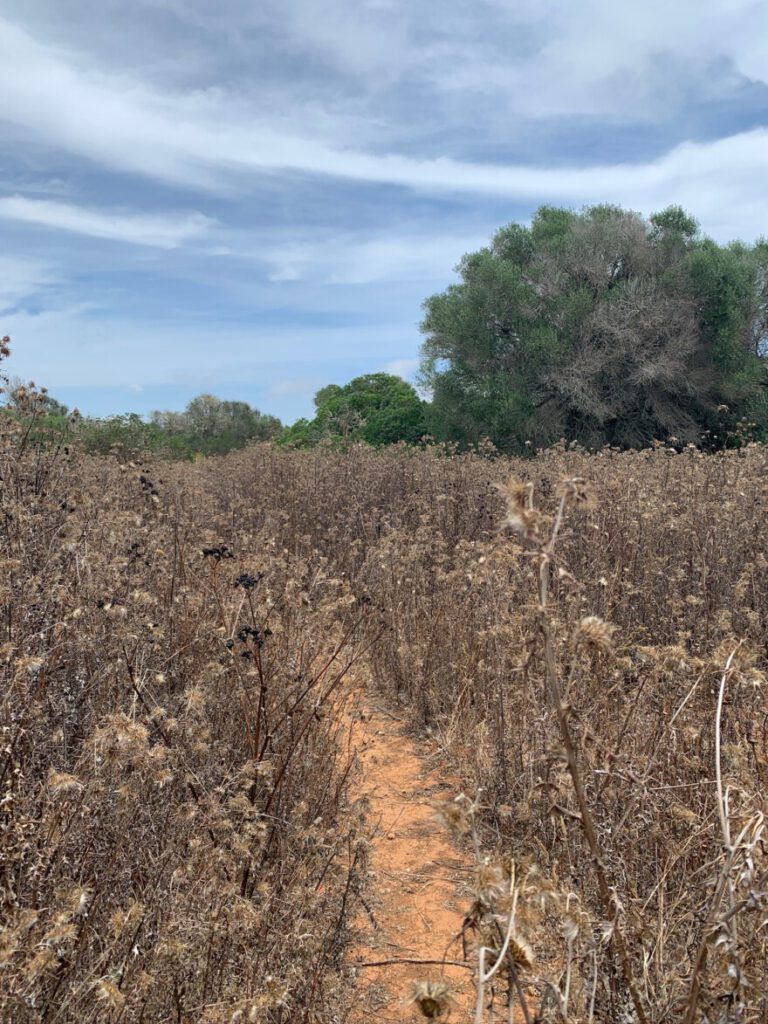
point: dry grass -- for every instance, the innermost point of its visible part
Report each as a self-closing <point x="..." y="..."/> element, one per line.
<point x="607" y="782"/>
<point x="177" y="846"/>
<point x="175" y="840"/>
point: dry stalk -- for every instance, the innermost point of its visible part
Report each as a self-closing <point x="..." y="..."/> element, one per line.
<point x="585" y="815"/>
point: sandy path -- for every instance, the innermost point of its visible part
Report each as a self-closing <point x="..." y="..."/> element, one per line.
<point x="416" y="890"/>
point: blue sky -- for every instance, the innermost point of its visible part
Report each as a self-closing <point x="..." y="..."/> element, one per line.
<point x="254" y="198"/>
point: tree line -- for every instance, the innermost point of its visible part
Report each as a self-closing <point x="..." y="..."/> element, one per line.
<point x="596" y="326"/>
<point x="207" y="426"/>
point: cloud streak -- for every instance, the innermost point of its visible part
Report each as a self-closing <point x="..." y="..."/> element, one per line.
<point x="349" y="259"/>
<point x="21" y="279"/>
<point x="164" y="232"/>
<point x="207" y="140"/>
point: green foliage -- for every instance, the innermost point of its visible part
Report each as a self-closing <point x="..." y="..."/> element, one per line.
<point x="601" y="327"/>
<point x="208" y="426"/>
<point x="211" y="426"/>
<point x="128" y="436"/>
<point x="376" y="409"/>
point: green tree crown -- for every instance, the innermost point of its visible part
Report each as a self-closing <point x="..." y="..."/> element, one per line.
<point x="602" y="327"/>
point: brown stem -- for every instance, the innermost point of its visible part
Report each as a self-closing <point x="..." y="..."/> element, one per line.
<point x="585" y="814"/>
<point x="412" y="960"/>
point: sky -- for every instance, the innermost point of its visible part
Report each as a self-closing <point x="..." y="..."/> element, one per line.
<point x="253" y="198"/>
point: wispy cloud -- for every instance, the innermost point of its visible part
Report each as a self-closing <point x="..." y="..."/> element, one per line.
<point x="405" y="368"/>
<point x="349" y="259"/>
<point x="22" y="279"/>
<point x="629" y="62"/>
<point x="163" y="232"/>
<point x="305" y="386"/>
<point x="341" y="156"/>
<point x="209" y="139"/>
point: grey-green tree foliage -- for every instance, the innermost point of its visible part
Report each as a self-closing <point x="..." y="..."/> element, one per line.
<point x="218" y="425"/>
<point x="603" y="327"/>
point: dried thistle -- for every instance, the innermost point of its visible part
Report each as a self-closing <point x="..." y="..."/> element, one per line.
<point x="109" y="994"/>
<point x="520" y="516"/>
<point x="492" y="882"/>
<point x="521" y="952"/>
<point x="433" y="998"/>
<point x="63" y="783"/>
<point x="456" y="816"/>
<point x="577" y="491"/>
<point x="596" y="634"/>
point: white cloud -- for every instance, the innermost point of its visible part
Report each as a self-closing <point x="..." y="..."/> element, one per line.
<point x="405" y="368"/>
<point x="350" y="259"/>
<point x="633" y="62"/>
<point x="164" y="232"/>
<point x="305" y="386"/>
<point x="208" y="139"/>
<point x="350" y="34"/>
<point x="22" y="279"/>
<point x="212" y="140"/>
<point x="423" y="257"/>
<point x="534" y="55"/>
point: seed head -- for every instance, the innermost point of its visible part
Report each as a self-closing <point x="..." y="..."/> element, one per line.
<point x="110" y="994"/>
<point x="521" y="952"/>
<point x="432" y="998"/>
<point x="456" y="816"/>
<point x="520" y="517"/>
<point x="595" y="633"/>
<point x="577" y="491"/>
<point x="62" y="783"/>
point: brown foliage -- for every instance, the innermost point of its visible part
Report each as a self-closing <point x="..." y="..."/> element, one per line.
<point x="657" y="576"/>
<point x="175" y="840"/>
<point x="176" y="844"/>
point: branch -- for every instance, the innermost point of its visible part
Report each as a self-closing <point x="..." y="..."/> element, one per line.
<point x="412" y="960"/>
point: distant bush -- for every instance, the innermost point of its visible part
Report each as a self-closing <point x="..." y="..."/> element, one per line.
<point x="208" y="426"/>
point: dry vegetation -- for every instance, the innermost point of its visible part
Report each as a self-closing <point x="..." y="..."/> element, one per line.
<point x="176" y="841"/>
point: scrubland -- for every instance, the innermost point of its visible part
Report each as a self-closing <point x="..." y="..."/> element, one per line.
<point x="175" y="840"/>
<point x="587" y="642"/>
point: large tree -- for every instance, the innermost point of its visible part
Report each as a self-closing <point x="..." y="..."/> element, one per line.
<point x="599" y="326"/>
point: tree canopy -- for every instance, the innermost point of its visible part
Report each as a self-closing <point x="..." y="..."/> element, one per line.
<point x="377" y="409"/>
<point x="208" y="426"/>
<point x="211" y="425"/>
<point x="602" y="327"/>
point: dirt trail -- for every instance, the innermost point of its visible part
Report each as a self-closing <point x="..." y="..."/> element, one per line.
<point x="416" y="893"/>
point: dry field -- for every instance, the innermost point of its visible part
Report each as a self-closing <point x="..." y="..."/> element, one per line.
<point x="585" y="644"/>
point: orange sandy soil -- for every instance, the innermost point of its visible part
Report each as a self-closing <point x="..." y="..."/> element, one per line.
<point x="416" y="891"/>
